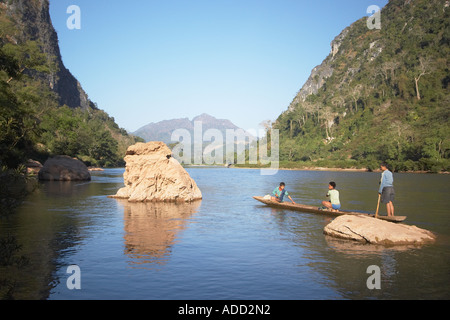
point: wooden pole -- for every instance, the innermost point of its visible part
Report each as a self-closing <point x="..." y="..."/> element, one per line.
<point x="378" y="206"/>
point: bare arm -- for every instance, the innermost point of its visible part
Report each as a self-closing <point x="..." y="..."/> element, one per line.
<point x="291" y="199"/>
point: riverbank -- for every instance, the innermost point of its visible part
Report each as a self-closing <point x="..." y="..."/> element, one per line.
<point x="311" y="168"/>
<point x="356" y="170"/>
<point x="342" y="166"/>
<point x="337" y="169"/>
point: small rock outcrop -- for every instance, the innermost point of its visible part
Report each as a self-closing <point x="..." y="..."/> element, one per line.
<point x="91" y="169"/>
<point x="33" y="166"/>
<point x="375" y="231"/>
<point x="64" y="168"/>
<point x="152" y="174"/>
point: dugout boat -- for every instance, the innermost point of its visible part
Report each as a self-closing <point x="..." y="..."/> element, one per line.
<point x="312" y="209"/>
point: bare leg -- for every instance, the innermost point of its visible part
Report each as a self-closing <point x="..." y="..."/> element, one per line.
<point x="276" y="199"/>
<point x="327" y="204"/>
<point x="390" y="209"/>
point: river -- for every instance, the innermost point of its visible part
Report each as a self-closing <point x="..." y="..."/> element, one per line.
<point x="227" y="246"/>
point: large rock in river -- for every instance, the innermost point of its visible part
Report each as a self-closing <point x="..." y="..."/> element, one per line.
<point x="375" y="231"/>
<point x="152" y="174"/>
<point x="64" y="168"/>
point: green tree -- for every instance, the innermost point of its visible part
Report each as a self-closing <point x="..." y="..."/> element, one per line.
<point x="17" y="119"/>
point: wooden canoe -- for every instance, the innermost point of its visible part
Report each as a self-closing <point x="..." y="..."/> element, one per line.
<point x="311" y="209"/>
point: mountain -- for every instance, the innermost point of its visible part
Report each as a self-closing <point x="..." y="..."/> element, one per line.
<point x="380" y="95"/>
<point x="44" y="110"/>
<point x="162" y="131"/>
<point x="33" y="17"/>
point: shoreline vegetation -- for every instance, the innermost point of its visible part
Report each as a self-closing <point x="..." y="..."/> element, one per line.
<point x="341" y="170"/>
<point x="307" y="166"/>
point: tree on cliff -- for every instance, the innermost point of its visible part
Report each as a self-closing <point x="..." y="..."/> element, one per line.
<point x="33" y="121"/>
<point x="380" y="95"/>
<point x="18" y="121"/>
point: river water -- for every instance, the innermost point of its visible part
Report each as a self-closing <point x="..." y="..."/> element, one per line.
<point x="227" y="246"/>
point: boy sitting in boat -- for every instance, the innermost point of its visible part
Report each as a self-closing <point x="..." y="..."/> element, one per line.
<point x="334" y="204"/>
<point x="279" y="193"/>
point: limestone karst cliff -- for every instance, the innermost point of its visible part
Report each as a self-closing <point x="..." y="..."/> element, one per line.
<point x="44" y="110"/>
<point x="32" y="17"/>
<point x="381" y="94"/>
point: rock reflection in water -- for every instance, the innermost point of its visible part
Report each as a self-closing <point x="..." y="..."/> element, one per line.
<point x="355" y="248"/>
<point x="151" y="229"/>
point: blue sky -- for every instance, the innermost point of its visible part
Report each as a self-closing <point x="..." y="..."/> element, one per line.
<point x="145" y="61"/>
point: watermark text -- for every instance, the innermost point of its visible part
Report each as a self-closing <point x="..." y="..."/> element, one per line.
<point x="374" y="20"/>
<point x="74" y="280"/>
<point x="74" y="20"/>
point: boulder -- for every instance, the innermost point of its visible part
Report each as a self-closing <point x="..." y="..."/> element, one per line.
<point x="33" y="166"/>
<point x="152" y="174"/>
<point x="64" y="168"/>
<point x="375" y="231"/>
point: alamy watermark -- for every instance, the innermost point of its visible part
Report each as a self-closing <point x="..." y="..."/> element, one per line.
<point x="74" y="20"/>
<point x="74" y="280"/>
<point x="234" y="146"/>
<point x="374" y="281"/>
<point x="374" y="20"/>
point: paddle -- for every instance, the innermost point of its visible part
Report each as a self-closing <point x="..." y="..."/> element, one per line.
<point x="378" y="206"/>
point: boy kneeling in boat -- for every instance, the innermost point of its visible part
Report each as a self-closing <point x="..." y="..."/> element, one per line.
<point x="279" y="193"/>
<point x="334" y="204"/>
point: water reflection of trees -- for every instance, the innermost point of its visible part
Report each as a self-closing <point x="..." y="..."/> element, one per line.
<point x="151" y="229"/>
<point x="33" y="236"/>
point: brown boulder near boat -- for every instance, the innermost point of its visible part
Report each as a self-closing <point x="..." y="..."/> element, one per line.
<point x="375" y="231"/>
<point x="312" y="209"/>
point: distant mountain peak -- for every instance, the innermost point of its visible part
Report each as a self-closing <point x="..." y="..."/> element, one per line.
<point x="203" y="116"/>
<point x="162" y="131"/>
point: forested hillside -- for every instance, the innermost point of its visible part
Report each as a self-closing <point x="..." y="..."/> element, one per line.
<point x="381" y="95"/>
<point x="43" y="109"/>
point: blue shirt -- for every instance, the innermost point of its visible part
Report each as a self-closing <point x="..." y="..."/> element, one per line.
<point x="277" y="193"/>
<point x="387" y="180"/>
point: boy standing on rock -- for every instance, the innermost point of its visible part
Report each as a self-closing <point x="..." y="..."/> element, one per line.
<point x="387" y="189"/>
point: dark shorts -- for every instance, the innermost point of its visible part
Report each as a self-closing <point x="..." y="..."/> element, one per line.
<point x="388" y="195"/>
